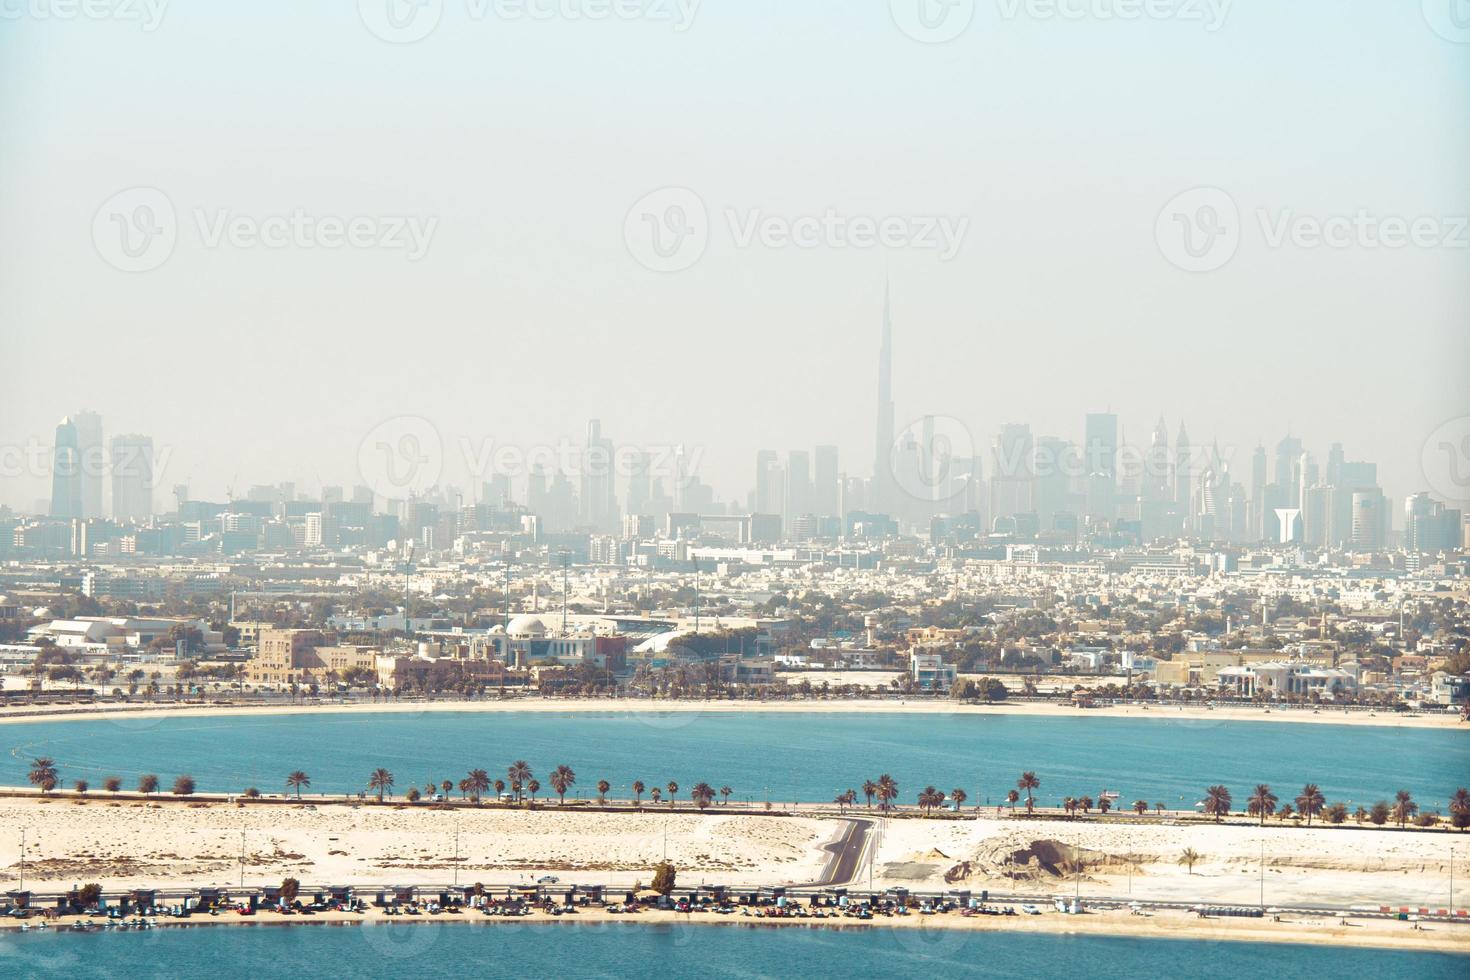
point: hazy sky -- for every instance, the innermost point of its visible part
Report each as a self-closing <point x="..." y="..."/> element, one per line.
<point x="516" y="145"/>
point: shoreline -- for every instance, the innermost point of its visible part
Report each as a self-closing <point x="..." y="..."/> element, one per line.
<point x="1174" y="713"/>
<point x="1300" y="930"/>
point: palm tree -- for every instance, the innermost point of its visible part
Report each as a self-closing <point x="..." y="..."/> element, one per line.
<point x="1217" y="802"/>
<point x="1460" y="809"/>
<point x="1140" y="807"/>
<point x="297" y="780"/>
<point x="1159" y="808"/>
<point x="602" y="787"/>
<point x="1262" y="802"/>
<point x="1029" y="783"/>
<point x="657" y="795"/>
<point x="1011" y="797"/>
<point x="870" y="789"/>
<point x="725" y="791"/>
<point x="959" y="796"/>
<point x="1086" y="804"/>
<point x="1310" y="802"/>
<point x="638" y="789"/>
<point x="533" y="787"/>
<point x="382" y="781"/>
<point x="1188" y="856"/>
<point x="464" y="787"/>
<point x="887" y="791"/>
<point x="519" y="773"/>
<point x="1069" y="806"/>
<point x="479" y="783"/>
<point x="562" y="777"/>
<point x="448" y="785"/>
<point x="43" y="774"/>
<point x="499" y="787"/>
<point x="673" y="788"/>
<point x="1404" y="807"/>
<point x="929" y="798"/>
<point x="702" y="794"/>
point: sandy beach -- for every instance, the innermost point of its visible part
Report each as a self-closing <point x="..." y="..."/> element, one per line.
<point x="1191" y="714"/>
<point x="135" y="843"/>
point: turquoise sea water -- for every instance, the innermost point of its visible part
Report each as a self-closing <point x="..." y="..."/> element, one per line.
<point x="807" y="756"/>
<point x="623" y="950"/>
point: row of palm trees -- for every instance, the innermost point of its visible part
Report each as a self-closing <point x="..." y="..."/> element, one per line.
<point x="44" y="776"/>
<point x="521" y="781"/>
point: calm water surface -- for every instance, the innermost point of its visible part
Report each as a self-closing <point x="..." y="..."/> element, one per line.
<point x="624" y="950"/>
<point x="807" y="756"/>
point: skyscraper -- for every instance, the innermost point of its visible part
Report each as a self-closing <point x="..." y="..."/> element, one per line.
<point x="1156" y="475"/>
<point x="1183" y="475"/>
<point x="91" y="459"/>
<point x="132" y="478"/>
<point x="66" y="472"/>
<point x="599" y="505"/>
<point x="824" y="481"/>
<point x="1012" y="481"/>
<point x="880" y="497"/>
<point x="1100" y="460"/>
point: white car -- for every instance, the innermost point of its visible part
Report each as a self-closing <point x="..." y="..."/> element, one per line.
<point x="1030" y="910"/>
<point x="547" y="880"/>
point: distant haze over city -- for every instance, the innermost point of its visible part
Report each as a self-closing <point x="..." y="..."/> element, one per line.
<point x="683" y="228"/>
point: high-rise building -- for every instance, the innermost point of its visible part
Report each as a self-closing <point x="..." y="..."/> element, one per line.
<point x="599" y="505"/>
<point x="132" y="478"/>
<point x="1156" y="468"/>
<point x="1183" y="474"/>
<point x="1288" y="467"/>
<point x="1256" y="525"/>
<point x="798" y="484"/>
<point x="824" y="481"/>
<point x="1430" y="526"/>
<point x="880" y="495"/>
<point x="92" y="456"/>
<point x="1370" y="520"/>
<point x="1100" y="462"/>
<point x="66" y="472"/>
<point x="1012" y="481"/>
<point x="770" y="483"/>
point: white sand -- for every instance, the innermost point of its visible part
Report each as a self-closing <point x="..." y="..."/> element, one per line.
<point x="134" y="844"/>
<point x="1329" y="866"/>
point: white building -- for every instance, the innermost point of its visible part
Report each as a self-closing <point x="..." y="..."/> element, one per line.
<point x="1280" y="679"/>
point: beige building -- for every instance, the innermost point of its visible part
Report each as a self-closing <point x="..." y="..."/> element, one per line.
<point x="303" y="657"/>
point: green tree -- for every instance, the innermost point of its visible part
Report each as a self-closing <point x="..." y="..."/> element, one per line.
<point x="297" y="780"/>
<point x="1460" y="809"/>
<point x="602" y="789"/>
<point x="1188" y="857"/>
<point x="1217" y="802"/>
<point x="1262" y="803"/>
<point x="1030" y="784"/>
<point x="43" y="774"/>
<point x="1404" y="807"/>
<point x="148" y="784"/>
<point x="183" y="786"/>
<point x="1379" y="812"/>
<point x="382" y="781"/>
<point x="1310" y="801"/>
<point x="562" y="779"/>
<point x="663" y="878"/>
<point x="702" y="794"/>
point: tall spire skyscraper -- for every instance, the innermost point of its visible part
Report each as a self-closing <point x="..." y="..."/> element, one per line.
<point x="882" y="496"/>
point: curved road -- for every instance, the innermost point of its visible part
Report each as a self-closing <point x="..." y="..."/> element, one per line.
<point x="847" y="855"/>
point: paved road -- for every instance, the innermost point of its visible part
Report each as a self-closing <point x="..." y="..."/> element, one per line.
<point x="847" y="855"/>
